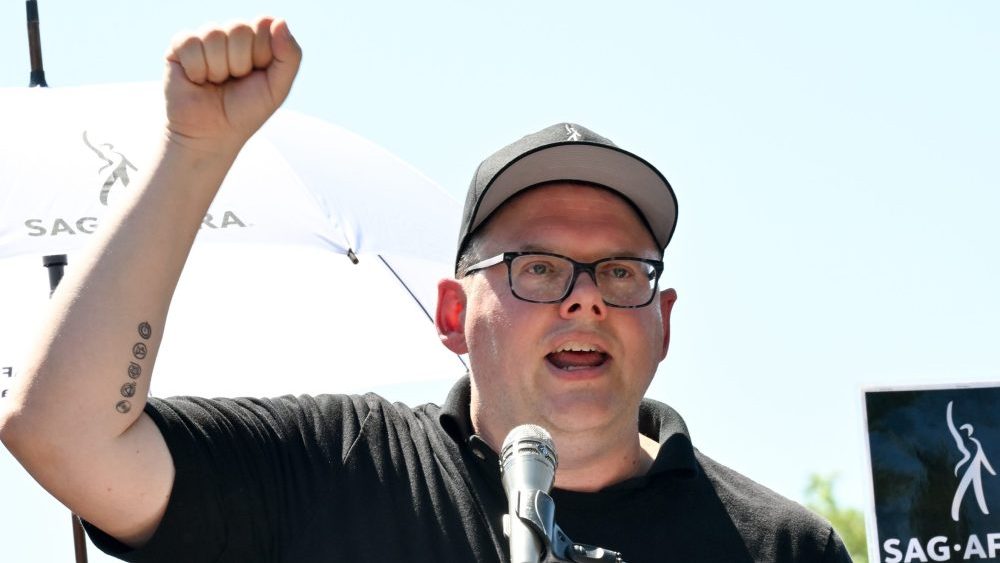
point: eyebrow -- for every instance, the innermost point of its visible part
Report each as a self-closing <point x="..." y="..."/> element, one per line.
<point x="620" y="253"/>
<point x="536" y="248"/>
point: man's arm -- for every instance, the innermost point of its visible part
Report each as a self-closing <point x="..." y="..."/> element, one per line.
<point x="75" y="420"/>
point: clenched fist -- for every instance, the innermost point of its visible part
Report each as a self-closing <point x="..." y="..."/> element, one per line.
<point x="223" y="84"/>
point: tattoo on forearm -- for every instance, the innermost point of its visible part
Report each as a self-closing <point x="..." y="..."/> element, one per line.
<point x="139" y="352"/>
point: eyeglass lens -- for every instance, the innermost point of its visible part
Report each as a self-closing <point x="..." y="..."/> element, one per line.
<point x="621" y="281"/>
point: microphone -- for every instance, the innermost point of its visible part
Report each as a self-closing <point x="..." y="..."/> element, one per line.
<point x="527" y="466"/>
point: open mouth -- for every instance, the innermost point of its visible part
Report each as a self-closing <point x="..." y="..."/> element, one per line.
<point x="573" y="356"/>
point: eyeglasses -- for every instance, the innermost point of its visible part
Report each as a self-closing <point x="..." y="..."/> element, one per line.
<point x="543" y="277"/>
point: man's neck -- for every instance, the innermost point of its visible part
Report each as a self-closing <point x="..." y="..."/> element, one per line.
<point x="584" y="468"/>
<point x="589" y="462"/>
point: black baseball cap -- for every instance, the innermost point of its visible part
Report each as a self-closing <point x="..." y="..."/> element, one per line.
<point x="568" y="152"/>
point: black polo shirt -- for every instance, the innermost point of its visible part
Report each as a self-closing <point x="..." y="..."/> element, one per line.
<point x="357" y="478"/>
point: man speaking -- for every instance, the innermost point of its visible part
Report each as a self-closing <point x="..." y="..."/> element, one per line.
<point x="555" y="300"/>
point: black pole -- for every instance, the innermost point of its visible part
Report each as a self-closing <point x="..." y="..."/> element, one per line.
<point x="35" y="45"/>
<point x="79" y="543"/>
<point x="55" y="263"/>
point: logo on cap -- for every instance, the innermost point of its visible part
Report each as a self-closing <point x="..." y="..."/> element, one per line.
<point x="571" y="133"/>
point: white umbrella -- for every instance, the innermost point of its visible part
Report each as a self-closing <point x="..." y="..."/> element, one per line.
<point x="320" y="253"/>
<point x="314" y="271"/>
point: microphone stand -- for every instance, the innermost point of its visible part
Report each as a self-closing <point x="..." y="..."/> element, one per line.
<point x="537" y="510"/>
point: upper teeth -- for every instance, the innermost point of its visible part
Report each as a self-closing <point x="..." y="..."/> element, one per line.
<point x="576" y="347"/>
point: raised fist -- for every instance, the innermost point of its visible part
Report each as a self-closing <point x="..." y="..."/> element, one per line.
<point x="223" y="83"/>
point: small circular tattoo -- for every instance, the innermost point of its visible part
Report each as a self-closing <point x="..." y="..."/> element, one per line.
<point x="128" y="390"/>
<point x="123" y="406"/>
<point x="139" y="350"/>
<point x="134" y="370"/>
<point x="145" y="331"/>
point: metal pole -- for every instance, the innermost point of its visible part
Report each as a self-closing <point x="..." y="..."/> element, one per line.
<point x="35" y="45"/>
<point x="55" y="263"/>
<point x="79" y="542"/>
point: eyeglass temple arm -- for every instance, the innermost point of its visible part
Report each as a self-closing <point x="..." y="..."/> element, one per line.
<point x="483" y="264"/>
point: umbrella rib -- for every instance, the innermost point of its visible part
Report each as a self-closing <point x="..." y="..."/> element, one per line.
<point x="421" y="305"/>
<point x="407" y="288"/>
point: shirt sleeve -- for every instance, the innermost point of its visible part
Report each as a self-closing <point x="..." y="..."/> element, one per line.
<point x="239" y="465"/>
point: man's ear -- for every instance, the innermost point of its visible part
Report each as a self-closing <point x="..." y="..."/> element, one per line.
<point x="450" y="315"/>
<point x="667" y="299"/>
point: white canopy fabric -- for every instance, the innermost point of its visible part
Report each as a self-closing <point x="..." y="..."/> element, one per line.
<point x="320" y="253"/>
<point x="299" y="180"/>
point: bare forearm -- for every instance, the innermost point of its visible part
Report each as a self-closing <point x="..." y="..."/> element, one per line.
<point x="78" y="405"/>
<point x="96" y="352"/>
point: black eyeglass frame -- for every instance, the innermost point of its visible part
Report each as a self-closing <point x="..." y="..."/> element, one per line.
<point x="590" y="268"/>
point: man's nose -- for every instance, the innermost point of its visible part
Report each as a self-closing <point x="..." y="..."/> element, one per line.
<point x="584" y="298"/>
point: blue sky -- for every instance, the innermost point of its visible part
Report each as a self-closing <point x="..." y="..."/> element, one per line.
<point x="835" y="166"/>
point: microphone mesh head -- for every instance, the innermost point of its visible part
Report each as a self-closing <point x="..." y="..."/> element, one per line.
<point x="527" y="432"/>
<point x="531" y="439"/>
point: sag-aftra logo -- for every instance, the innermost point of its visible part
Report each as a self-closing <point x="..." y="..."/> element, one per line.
<point x="112" y="168"/>
<point x="936" y="488"/>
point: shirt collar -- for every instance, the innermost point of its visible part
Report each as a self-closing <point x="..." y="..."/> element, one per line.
<point x="656" y="420"/>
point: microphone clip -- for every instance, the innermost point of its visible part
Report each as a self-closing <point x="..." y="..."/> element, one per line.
<point x="537" y="509"/>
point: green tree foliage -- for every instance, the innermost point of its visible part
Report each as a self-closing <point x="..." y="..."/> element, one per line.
<point x="849" y="522"/>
